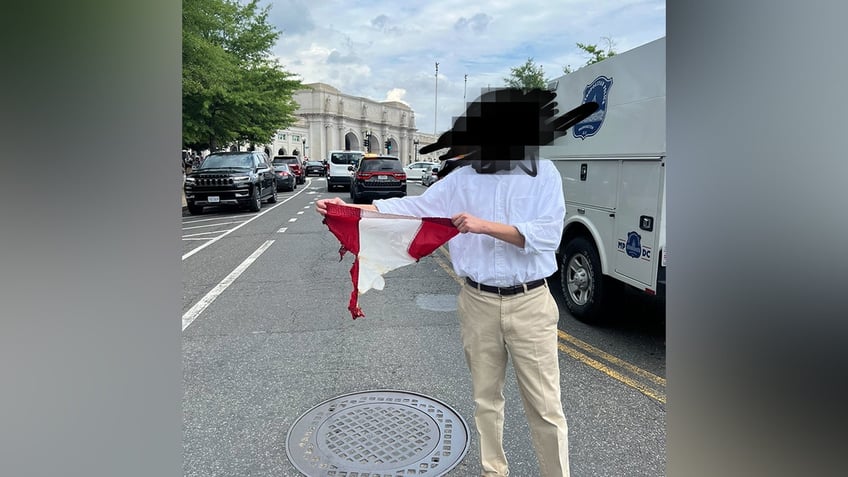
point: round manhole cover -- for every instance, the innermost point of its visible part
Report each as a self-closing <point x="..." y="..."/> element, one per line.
<point x="377" y="434"/>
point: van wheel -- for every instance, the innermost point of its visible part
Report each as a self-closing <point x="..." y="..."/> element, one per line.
<point x="583" y="284"/>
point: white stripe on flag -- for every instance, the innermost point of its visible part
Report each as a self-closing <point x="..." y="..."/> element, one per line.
<point x="383" y="246"/>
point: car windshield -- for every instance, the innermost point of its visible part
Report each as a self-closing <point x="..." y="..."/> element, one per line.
<point x="315" y="163"/>
<point x="228" y="161"/>
<point x="286" y="160"/>
<point x="345" y="157"/>
<point x="375" y="165"/>
<point x="281" y="167"/>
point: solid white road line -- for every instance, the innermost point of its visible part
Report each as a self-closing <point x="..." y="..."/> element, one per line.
<point x="203" y="233"/>
<point x="207" y="300"/>
<point x="211" y="225"/>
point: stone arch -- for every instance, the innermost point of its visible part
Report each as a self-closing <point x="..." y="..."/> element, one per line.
<point x="395" y="150"/>
<point x="352" y="142"/>
<point x="375" y="144"/>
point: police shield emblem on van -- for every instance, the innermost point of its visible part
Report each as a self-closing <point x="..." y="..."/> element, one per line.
<point x="598" y="92"/>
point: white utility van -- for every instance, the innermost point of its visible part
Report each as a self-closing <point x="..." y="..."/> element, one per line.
<point x="613" y="176"/>
<point x="339" y="161"/>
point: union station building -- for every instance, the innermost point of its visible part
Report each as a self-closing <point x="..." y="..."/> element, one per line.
<point x="330" y="120"/>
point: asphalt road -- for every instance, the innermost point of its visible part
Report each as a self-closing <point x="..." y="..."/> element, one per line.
<point x="267" y="336"/>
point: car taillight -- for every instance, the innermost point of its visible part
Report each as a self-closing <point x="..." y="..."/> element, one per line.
<point x="284" y="174"/>
<point x="400" y="175"/>
<point x="363" y="175"/>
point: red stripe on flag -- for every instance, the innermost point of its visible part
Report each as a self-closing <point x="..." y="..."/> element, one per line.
<point x="343" y="222"/>
<point x="433" y="233"/>
<point x="345" y="225"/>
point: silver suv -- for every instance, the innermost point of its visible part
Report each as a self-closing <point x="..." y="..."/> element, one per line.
<point x="339" y="174"/>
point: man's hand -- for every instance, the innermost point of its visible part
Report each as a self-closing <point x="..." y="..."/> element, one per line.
<point x="321" y="205"/>
<point x="465" y="223"/>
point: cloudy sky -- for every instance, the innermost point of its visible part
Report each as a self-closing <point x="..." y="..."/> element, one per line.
<point x="383" y="49"/>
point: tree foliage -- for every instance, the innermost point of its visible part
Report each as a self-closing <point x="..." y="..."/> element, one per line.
<point x="527" y="76"/>
<point x="595" y="54"/>
<point x="233" y="89"/>
<point x="530" y="75"/>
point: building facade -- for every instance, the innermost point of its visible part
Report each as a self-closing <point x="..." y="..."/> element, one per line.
<point x="330" y="120"/>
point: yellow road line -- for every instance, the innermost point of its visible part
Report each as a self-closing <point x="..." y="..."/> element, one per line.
<point x="652" y="393"/>
<point x="647" y="391"/>
<point x="447" y="268"/>
<point x="612" y="359"/>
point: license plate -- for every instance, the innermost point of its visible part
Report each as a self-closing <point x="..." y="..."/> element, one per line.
<point x="213" y="199"/>
<point x="382" y="178"/>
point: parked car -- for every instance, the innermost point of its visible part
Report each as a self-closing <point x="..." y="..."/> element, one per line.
<point x="294" y="165"/>
<point x="243" y="178"/>
<point x="286" y="179"/>
<point x="315" y="167"/>
<point x="339" y="175"/>
<point x="430" y="178"/>
<point x="377" y="177"/>
<point x="417" y="170"/>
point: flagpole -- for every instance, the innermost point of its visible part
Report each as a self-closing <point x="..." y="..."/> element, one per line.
<point x="436" y="112"/>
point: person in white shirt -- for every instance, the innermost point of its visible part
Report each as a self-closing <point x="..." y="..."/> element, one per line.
<point x="509" y="211"/>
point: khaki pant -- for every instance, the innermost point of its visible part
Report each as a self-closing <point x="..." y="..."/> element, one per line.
<point x="523" y="327"/>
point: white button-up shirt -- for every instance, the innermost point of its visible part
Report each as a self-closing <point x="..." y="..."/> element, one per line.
<point x="534" y="205"/>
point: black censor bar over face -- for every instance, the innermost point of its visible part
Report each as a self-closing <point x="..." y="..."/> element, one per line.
<point x="499" y="126"/>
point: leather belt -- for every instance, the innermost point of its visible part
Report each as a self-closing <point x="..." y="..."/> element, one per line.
<point x="506" y="291"/>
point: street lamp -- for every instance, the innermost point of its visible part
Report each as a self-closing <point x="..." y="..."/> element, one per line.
<point x="416" y="142"/>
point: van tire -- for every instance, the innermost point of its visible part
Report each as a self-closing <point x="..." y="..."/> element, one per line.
<point x="584" y="286"/>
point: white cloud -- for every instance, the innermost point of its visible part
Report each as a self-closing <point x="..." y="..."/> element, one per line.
<point x="396" y="94"/>
<point x="387" y="49"/>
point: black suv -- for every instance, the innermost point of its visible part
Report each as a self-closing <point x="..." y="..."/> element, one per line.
<point x="235" y="178"/>
<point x="377" y="177"/>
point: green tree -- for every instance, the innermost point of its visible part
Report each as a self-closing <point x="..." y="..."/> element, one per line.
<point x="595" y="54"/>
<point x="234" y="90"/>
<point x="527" y="76"/>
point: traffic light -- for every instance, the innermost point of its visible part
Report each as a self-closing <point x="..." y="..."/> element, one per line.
<point x="388" y="146"/>
<point x="367" y="143"/>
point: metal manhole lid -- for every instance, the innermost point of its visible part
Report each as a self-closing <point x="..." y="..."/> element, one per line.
<point x="380" y="433"/>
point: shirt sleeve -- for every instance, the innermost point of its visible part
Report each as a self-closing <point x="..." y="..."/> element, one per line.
<point x="431" y="203"/>
<point x="544" y="232"/>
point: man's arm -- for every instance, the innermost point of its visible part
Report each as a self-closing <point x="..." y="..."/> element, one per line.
<point x="465" y="223"/>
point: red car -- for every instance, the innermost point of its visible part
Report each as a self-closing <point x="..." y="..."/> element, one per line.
<point x="294" y="165"/>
